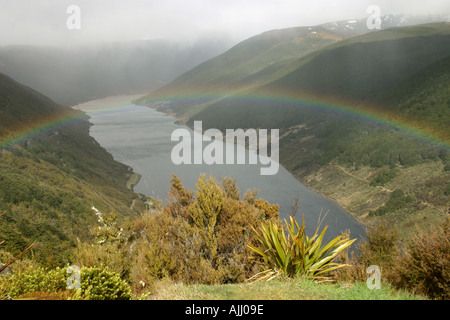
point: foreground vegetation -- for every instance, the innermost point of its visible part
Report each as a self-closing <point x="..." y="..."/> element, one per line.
<point x="297" y="289"/>
<point x="212" y="245"/>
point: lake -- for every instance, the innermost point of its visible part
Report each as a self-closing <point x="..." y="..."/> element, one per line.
<point x="140" y="137"/>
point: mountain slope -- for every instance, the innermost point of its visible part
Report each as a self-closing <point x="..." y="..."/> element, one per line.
<point x="365" y="67"/>
<point x="355" y="111"/>
<point x="424" y="98"/>
<point x="361" y="71"/>
<point x="253" y="62"/>
<point x="50" y="178"/>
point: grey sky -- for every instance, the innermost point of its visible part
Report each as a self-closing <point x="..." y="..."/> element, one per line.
<point x="44" y="21"/>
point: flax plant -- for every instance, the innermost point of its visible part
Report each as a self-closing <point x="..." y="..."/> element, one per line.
<point x="290" y="253"/>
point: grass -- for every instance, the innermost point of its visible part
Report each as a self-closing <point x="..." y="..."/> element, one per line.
<point x="299" y="289"/>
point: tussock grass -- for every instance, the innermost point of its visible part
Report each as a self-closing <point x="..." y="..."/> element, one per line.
<point x="297" y="289"/>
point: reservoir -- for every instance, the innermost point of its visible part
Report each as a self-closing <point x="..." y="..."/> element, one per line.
<point x="140" y="137"/>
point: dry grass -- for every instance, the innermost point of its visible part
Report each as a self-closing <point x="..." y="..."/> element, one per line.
<point x="297" y="289"/>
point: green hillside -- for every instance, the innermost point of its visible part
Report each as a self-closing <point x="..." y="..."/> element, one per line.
<point x="424" y="98"/>
<point x="358" y="71"/>
<point x="50" y="180"/>
<point x="254" y="62"/>
<point x="398" y="74"/>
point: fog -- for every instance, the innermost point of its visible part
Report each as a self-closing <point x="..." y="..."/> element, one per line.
<point x="78" y="50"/>
<point x="44" y="22"/>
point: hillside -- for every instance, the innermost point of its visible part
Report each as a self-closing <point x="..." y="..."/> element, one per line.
<point x="351" y="110"/>
<point x="254" y="62"/>
<point x="424" y="98"/>
<point x="352" y="72"/>
<point x="51" y="174"/>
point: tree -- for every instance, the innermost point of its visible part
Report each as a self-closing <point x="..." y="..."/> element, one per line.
<point x="205" y="210"/>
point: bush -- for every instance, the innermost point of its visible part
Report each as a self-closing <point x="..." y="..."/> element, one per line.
<point x="398" y="200"/>
<point x="200" y="238"/>
<point x="425" y="266"/>
<point x="384" y="177"/>
<point x="289" y="252"/>
<point x="37" y="280"/>
<point x="102" y="284"/>
<point x="420" y="265"/>
<point x="96" y="283"/>
<point x="111" y="247"/>
<point x="381" y="248"/>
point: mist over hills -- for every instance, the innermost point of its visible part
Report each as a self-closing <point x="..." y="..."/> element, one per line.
<point x="71" y="75"/>
<point x="104" y="69"/>
<point x="356" y="27"/>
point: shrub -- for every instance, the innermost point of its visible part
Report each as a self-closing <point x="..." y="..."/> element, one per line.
<point x="420" y="265"/>
<point x="37" y="280"/>
<point x="289" y="252"/>
<point x="381" y="248"/>
<point x="425" y="266"/>
<point x="102" y="284"/>
<point x="111" y="247"/>
<point x="397" y="200"/>
<point x="384" y="177"/>
<point x="205" y="211"/>
<point x="96" y="283"/>
<point x="199" y="238"/>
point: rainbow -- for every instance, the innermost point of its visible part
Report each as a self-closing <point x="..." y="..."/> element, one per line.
<point x="48" y="124"/>
<point x="39" y="127"/>
<point x="368" y="114"/>
<point x="365" y="113"/>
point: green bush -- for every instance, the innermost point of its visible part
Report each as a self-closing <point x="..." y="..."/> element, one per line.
<point x="383" y="177"/>
<point x="37" y="280"/>
<point x="96" y="283"/>
<point x="289" y="252"/>
<point x="102" y="284"/>
<point x="398" y="200"/>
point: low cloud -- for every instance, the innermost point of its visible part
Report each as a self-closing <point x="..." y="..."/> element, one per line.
<point x="44" y="21"/>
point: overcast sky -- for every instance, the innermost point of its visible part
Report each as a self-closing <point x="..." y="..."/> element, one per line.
<point x="44" y="22"/>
